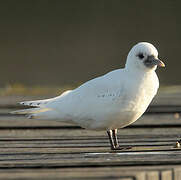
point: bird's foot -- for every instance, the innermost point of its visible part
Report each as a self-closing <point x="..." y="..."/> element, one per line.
<point x="121" y="148"/>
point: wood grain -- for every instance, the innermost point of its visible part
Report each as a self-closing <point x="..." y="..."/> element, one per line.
<point x="32" y="149"/>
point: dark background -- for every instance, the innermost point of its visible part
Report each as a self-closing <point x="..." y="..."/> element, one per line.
<point x="62" y="42"/>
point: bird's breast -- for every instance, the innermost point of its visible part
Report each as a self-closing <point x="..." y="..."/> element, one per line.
<point x="137" y="96"/>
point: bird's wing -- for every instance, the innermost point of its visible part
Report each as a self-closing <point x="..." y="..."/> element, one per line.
<point x="74" y="101"/>
<point x="91" y="93"/>
<point x="40" y="103"/>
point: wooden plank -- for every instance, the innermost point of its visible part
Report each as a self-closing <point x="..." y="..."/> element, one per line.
<point x="36" y="145"/>
<point x="72" y="174"/>
<point x="121" y="137"/>
<point x="90" y="159"/>
<point x="172" y="119"/>
<point x="167" y="175"/>
<point x="167" y="98"/>
<point x="138" y="173"/>
<point x="69" y="133"/>
<point x="63" y="153"/>
<point x="164" y="109"/>
<point x="61" y="143"/>
<point x="73" y="150"/>
<point x="152" y="175"/>
<point x="177" y="173"/>
<point x="91" y="151"/>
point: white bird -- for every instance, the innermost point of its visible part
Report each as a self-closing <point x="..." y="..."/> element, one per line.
<point x="108" y="102"/>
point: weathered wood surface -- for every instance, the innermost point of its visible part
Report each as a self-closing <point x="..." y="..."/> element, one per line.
<point x="31" y="149"/>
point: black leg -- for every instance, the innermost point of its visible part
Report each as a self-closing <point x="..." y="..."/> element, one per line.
<point x="110" y="134"/>
<point x="116" y="143"/>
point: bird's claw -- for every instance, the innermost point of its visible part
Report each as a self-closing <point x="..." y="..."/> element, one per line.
<point x="121" y="148"/>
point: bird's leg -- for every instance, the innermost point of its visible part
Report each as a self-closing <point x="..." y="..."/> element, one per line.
<point x="116" y="143"/>
<point x="114" y="140"/>
<point x="110" y="134"/>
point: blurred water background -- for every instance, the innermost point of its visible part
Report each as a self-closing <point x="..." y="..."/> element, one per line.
<point x="65" y="42"/>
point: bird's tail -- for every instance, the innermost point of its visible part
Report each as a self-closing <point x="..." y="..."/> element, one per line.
<point x="39" y="109"/>
<point x="36" y="103"/>
<point x="33" y="113"/>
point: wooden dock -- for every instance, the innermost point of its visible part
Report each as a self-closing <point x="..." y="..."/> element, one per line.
<point x="31" y="149"/>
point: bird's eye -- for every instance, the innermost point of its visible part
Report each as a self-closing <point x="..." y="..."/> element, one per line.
<point x="141" y="56"/>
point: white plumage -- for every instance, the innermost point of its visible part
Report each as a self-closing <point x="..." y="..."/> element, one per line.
<point x="111" y="101"/>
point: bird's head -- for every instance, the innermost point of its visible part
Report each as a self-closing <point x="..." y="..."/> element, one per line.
<point x="143" y="56"/>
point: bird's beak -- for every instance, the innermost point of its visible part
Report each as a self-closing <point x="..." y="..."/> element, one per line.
<point x="158" y="62"/>
<point x="152" y="60"/>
